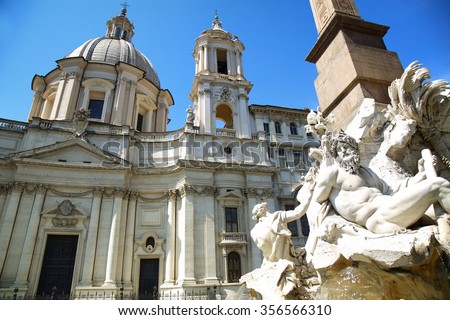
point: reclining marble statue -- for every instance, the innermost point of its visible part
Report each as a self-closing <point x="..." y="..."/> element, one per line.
<point x="360" y="196"/>
<point x="362" y="212"/>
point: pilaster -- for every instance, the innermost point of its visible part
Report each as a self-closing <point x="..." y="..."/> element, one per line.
<point x="186" y="235"/>
<point x="129" y="239"/>
<point x="30" y="238"/>
<point x="8" y="218"/>
<point x="91" y="241"/>
<point x="113" y="246"/>
<point x="169" y="276"/>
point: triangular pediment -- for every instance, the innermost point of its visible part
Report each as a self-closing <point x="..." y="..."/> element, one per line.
<point x="231" y="195"/>
<point x="74" y="151"/>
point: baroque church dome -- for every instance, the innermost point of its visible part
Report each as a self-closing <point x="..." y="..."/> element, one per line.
<point x="116" y="46"/>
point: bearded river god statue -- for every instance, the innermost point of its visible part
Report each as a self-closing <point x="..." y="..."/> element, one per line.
<point x="378" y="206"/>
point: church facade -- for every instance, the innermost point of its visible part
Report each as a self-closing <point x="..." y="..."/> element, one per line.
<point x="98" y="200"/>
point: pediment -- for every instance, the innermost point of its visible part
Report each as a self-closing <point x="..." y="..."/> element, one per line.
<point x="74" y="151"/>
<point x="231" y="195"/>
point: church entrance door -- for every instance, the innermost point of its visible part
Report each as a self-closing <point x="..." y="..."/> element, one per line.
<point x="57" y="268"/>
<point x="148" y="279"/>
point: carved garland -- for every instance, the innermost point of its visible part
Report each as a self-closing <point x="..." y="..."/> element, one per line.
<point x="259" y="192"/>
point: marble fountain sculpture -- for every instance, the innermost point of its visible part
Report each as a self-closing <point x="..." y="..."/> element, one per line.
<point x="377" y="200"/>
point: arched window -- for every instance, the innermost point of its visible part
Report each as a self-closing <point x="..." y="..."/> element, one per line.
<point x="293" y="128"/>
<point x="234" y="267"/>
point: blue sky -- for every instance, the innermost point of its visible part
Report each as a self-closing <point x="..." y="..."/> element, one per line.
<point x="277" y="35"/>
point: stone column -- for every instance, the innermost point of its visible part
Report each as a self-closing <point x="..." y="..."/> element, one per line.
<point x="120" y="101"/>
<point x="225" y="259"/>
<point x="169" y="276"/>
<point x="36" y="109"/>
<point x="91" y="241"/>
<point x="113" y="247"/>
<point x="69" y="95"/>
<point x="161" y="117"/>
<point x="243" y="111"/>
<point x="129" y="240"/>
<point x="59" y="96"/>
<point x="233" y="62"/>
<point x="206" y="58"/>
<point x="199" y="61"/>
<point x="129" y="114"/>
<point x="185" y="232"/>
<point x="239" y="64"/>
<point x="208" y="111"/>
<point x="214" y="60"/>
<point x="148" y="121"/>
<point x="229" y="64"/>
<point x="8" y="218"/>
<point x="30" y="238"/>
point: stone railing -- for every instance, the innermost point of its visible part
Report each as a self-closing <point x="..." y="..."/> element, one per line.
<point x="13" y="125"/>
<point x="224" y="132"/>
<point x="159" y="136"/>
<point x="233" y="238"/>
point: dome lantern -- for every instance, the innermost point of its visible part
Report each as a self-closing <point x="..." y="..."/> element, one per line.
<point x="119" y="27"/>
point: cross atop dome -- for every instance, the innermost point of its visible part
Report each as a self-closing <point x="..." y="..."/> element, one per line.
<point x="217" y="24"/>
<point x="124" y="5"/>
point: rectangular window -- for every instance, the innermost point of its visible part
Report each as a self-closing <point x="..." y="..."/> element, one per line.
<point x="266" y="128"/>
<point x="140" y="122"/>
<point x="293" y="128"/>
<point x="231" y="220"/>
<point x="277" y="127"/>
<point x="222" y="66"/>
<point x="95" y="108"/>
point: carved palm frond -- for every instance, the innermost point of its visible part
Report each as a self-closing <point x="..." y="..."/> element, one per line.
<point x="423" y="102"/>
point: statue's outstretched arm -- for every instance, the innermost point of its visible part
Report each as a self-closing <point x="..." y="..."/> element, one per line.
<point x="304" y="196"/>
<point x="325" y="181"/>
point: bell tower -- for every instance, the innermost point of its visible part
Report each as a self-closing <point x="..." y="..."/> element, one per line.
<point x="351" y="58"/>
<point x="220" y="90"/>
